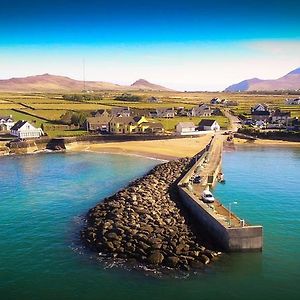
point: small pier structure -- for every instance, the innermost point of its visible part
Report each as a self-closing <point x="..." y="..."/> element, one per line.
<point x="229" y="231"/>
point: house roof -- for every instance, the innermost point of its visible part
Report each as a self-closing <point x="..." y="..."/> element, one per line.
<point x="186" y="124"/>
<point x="123" y="120"/>
<point x="116" y="110"/>
<point x="207" y="122"/>
<point x="265" y="106"/>
<point x="201" y="106"/>
<point x="18" y="125"/>
<point x="98" y="120"/>
<point x="153" y="125"/>
<point x="138" y="118"/>
<point x="215" y="99"/>
<point x="5" y="118"/>
<point x="165" y="109"/>
<point x="260" y="113"/>
<point x="99" y="112"/>
<point x="279" y="113"/>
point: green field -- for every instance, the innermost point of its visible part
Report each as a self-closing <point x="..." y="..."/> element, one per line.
<point x="20" y="116"/>
<point x="51" y="115"/>
<point x="65" y="133"/>
<point x="170" y="124"/>
<point x="51" y="106"/>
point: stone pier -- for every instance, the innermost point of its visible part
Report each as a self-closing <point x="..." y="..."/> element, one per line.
<point x="231" y="232"/>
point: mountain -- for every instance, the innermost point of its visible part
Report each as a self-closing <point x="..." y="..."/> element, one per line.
<point x="143" y="84"/>
<point x="54" y="83"/>
<point x="290" y="81"/>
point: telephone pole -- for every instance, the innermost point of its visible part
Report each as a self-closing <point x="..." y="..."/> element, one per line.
<point x="83" y="74"/>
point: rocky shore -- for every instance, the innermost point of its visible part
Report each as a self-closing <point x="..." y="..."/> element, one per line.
<point x="144" y="224"/>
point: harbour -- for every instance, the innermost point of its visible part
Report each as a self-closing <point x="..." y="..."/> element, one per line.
<point x="34" y="256"/>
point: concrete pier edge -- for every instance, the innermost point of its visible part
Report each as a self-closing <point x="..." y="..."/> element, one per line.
<point x="231" y="239"/>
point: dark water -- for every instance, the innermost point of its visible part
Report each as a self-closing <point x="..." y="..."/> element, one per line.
<point x="42" y="198"/>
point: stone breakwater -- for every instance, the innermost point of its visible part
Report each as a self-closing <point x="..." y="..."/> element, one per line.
<point x="144" y="223"/>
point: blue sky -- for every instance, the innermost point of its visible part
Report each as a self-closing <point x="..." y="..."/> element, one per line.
<point x="193" y="45"/>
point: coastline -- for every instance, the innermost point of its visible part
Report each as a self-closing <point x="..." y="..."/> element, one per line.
<point x="264" y="143"/>
<point x="156" y="149"/>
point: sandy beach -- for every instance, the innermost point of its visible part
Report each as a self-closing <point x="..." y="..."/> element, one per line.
<point x="265" y="143"/>
<point x="160" y="149"/>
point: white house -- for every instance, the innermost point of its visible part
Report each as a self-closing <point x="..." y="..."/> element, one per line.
<point x="260" y="107"/>
<point x="279" y="116"/>
<point x="293" y="101"/>
<point x="6" y="123"/>
<point x="162" y="113"/>
<point x="24" y="130"/>
<point x="200" y="110"/>
<point x="215" y="100"/>
<point x="185" y="127"/>
<point x="211" y="125"/>
<point x="260" y="112"/>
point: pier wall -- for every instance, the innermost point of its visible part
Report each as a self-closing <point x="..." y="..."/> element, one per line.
<point x="241" y="237"/>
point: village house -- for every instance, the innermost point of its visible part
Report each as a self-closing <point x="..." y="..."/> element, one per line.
<point x="217" y="112"/>
<point x="140" y="124"/>
<point x="24" y="130"/>
<point x="162" y="113"/>
<point x="295" y="124"/>
<point x="153" y="127"/>
<point x="126" y="125"/>
<point x="120" y="111"/>
<point x="101" y="113"/>
<point x="201" y="110"/>
<point x="215" y="100"/>
<point x="183" y="128"/>
<point x="260" y="112"/>
<point x="293" y="101"/>
<point x="226" y="102"/>
<point x="279" y="116"/>
<point x="260" y="124"/>
<point x="98" y="124"/>
<point x="120" y="124"/>
<point x="6" y="123"/>
<point x="153" y="100"/>
<point x="181" y="111"/>
<point x="260" y="107"/>
<point x="209" y="125"/>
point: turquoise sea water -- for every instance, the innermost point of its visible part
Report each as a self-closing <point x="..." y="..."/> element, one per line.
<point x="42" y="199"/>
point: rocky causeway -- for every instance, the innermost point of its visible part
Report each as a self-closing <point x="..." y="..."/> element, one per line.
<point x="144" y="223"/>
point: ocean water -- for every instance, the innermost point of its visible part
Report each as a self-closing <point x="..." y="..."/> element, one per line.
<point x="43" y="197"/>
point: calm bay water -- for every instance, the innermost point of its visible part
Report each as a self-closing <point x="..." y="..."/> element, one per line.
<point x="42" y="198"/>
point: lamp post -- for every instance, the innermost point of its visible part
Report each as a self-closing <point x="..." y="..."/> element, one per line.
<point x="234" y="202"/>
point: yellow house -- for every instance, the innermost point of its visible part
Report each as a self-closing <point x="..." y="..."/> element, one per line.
<point x="125" y="125"/>
<point x="122" y="125"/>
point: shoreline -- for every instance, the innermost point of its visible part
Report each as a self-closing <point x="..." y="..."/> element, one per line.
<point x="116" y="152"/>
<point x="164" y="150"/>
<point x="155" y="149"/>
<point x="265" y="143"/>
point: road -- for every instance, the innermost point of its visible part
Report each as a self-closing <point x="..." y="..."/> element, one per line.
<point x="234" y="121"/>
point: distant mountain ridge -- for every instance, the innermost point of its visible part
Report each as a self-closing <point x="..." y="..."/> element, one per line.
<point x="146" y="85"/>
<point x="56" y="83"/>
<point x="290" y="81"/>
